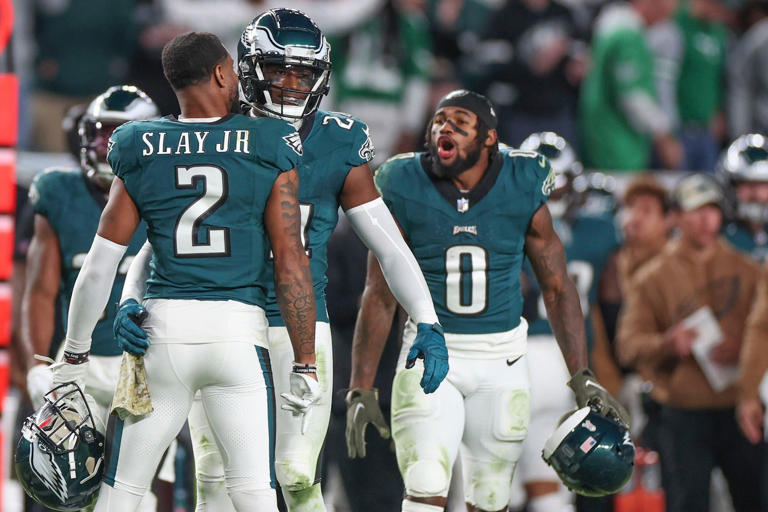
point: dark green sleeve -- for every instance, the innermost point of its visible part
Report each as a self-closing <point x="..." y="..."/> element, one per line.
<point x="287" y="148"/>
<point x="544" y="179"/>
<point x="121" y="153"/>
<point x="42" y="194"/>
<point x="362" y="150"/>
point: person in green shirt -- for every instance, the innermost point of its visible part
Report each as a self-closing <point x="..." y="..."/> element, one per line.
<point x="700" y="87"/>
<point x="620" y="118"/>
<point x="382" y="73"/>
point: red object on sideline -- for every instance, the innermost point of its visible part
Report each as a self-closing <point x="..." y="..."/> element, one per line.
<point x="9" y="107"/>
<point x="644" y="492"/>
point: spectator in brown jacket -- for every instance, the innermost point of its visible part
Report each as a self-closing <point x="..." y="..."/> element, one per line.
<point x="645" y="224"/>
<point x="750" y="409"/>
<point x="697" y="424"/>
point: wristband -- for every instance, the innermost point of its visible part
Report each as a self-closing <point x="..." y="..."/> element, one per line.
<point x="75" y="358"/>
<point x="304" y="368"/>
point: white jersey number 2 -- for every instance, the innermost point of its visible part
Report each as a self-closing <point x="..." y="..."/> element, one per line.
<point x="186" y="239"/>
<point x="466" y="279"/>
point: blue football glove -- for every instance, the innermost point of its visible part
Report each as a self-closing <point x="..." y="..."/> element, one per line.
<point x="429" y="345"/>
<point x="127" y="328"/>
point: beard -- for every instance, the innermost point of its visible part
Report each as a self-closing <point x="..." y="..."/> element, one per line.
<point x="234" y="101"/>
<point x="459" y="164"/>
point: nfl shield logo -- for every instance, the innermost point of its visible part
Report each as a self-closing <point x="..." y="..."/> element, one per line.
<point x="462" y="204"/>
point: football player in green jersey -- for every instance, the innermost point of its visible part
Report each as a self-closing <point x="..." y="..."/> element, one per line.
<point x="67" y="205"/>
<point x="471" y="211"/>
<point x="283" y="61"/>
<point x="743" y="168"/>
<point x="214" y="188"/>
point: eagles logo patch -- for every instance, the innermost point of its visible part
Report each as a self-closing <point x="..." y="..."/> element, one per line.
<point x="367" y="151"/>
<point x="294" y="142"/>
<point x="110" y="145"/>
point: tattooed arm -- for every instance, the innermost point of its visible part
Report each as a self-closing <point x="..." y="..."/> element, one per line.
<point x="293" y="277"/>
<point x="544" y="249"/>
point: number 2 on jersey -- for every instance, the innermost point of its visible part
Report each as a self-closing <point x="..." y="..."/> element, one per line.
<point x="466" y="279"/>
<point x="186" y="237"/>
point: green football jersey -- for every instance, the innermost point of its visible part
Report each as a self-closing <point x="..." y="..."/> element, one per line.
<point x="621" y="64"/>
<point x="702" y="75"/>
<point x="202" y="188"/>
<point x="588" y="242"/>
<point x="333" y="144"/>
<point x="743" y="239"/>
<point x="72" y="205"/>
<point x="469" y="245"/>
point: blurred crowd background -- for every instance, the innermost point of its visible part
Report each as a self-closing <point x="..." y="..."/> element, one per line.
<point x="644" y="91"/>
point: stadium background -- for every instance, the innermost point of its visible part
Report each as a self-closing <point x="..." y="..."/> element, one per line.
<point x="392" y="60"/>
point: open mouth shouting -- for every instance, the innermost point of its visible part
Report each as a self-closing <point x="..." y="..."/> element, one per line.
<point x="446" y="147"/>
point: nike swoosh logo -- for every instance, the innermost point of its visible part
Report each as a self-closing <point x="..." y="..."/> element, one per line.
<point x="592" y="383"/>
<point x="542" y="162"/>
<point x="510" y="362"/>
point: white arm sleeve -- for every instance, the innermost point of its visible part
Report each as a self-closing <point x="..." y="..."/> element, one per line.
<point x="378" y="230"/>
<point x="138" y="273"/>
<point x="91" y="292"/>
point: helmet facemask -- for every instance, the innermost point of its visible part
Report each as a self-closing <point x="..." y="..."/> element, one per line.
<point x="260" y="79"/>
<point x="60" y="458"/>
<point x="94" y="137"/>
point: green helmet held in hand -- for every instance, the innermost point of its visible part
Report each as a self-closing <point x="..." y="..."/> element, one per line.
<point x="60" y="456"/>
<point x="592" y="454"/>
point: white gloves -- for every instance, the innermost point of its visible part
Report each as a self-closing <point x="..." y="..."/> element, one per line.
<point x="305" y="392"/>
<point x="67" y="372"/>
<point x="39" y="382"/>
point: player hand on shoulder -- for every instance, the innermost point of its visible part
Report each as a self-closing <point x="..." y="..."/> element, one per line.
<point x="590" y="393"/>
<point x="130" y="336"/>
<point x="305" y="392"/>
<point x="429" y="345"/>
<point x="39" y="382"/>
<point x="363" y="408"/>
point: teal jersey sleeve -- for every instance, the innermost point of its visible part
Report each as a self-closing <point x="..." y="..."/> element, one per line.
<point x="545" y="180"/>
<point x="43" y="192"/>
<point x="121" y="151"/>
<point x="362" y="150"/>
<point x="285" y="156"/>
<point x="386" y="182"/>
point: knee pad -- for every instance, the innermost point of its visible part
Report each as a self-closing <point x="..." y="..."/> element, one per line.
<point x="208" y="463"/>
<point x="425" y="478"/>
<point x="486" y="484"/>
<point x="294" y="476"/>
<point x="307" y="500"/>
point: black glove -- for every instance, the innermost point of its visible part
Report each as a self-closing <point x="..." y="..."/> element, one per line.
<point x="590" y="393"/>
